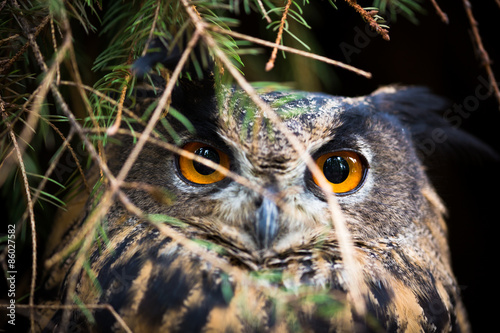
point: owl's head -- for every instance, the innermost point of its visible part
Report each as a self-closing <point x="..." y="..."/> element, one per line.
<point x="374" y="151"/>
<point x="230" y="178"/>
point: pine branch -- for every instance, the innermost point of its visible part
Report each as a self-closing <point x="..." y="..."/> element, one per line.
<point x="294" y="51"/>
<point x="270" y="63"/>
<point x="369" y="18"/>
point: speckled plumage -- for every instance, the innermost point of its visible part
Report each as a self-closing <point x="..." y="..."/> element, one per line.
<point x="297" y="283"/>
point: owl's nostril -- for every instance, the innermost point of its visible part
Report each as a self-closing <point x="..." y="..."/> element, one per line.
<point x="266" y="222"/>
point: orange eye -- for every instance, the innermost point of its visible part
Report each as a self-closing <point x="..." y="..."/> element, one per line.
<point x="199" y="173"/>
<point x="344" y="170"/>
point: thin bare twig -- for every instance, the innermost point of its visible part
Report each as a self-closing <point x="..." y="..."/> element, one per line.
<point x="79" y="84"/>
<point x="158" y="112"/>
<point x="108" y="307"/>
<point x="39" y="97"/>
<point x="270" y="63"/>
<point x="23" y="49"/>
<point x="197" y="158"/>
<point x="482" y="51"/>
<point x="291" y="50"/>
<point x="54" y="42"/>
<point x="66" y="143"/>
<point x="112" y="130"/>
<point x="263" y="10"/>
<point x="153" y="27"/>
<point x="53" y="165"/>
<point x="118" y="120"/>
<point x="108" y="99"/>
<point x="441" y="14"/>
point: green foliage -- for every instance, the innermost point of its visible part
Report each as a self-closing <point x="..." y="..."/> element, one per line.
<point x="395" y="8"/>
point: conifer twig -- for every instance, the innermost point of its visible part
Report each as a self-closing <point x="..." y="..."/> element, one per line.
<point x="440" y="12"/>
<point x="481" y="50"/>
<point x="291" y="50"/>
<point x="270" y="63"/>
<point x="107" y="99"/>
<point x="118" y="120"/>
<point x="23" y="49"/>
<point x="268" y="19"/>
<point x="369" y="19"/>
<point x="152" y="30"/>
<point x="79" y="84"/>
<point x="54" y="43"/>
<point x="108" y="307"/>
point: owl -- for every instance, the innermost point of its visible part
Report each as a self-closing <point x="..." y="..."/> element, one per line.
<point x="246" y="242"/>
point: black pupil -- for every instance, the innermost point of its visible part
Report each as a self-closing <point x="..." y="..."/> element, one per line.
<point x="336" y="169"/>
<point x="208" y="153"/>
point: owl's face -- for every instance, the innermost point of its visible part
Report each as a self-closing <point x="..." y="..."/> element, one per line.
<point x="367" y="156"/>
<point x="256" y="208"/>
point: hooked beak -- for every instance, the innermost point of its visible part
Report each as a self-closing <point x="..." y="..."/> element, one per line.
<point x="266" y="223"/>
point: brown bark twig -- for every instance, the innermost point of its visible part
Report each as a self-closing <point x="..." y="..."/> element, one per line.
<point x="108" y="307"/>
<point x="369" y="19"/>
<point x="440" y="12"/>
<point x="270" y="63"/>
<point x="483" y="54"/>
<point x="263" y="42"/>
